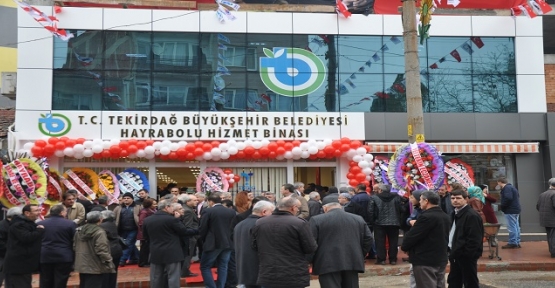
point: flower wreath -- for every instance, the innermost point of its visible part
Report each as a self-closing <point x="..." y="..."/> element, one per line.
<point x="132" y="180"/>
<point x="458" y="171"/>
<point x="108" y="185"/>
<point x="55" y="188"/>
<point x="212" y="179"/>
<point x="379" y="173"/>
<point x="416" y="166"/>
<point x="84" y="180"/>
<point x="24" y="183"/>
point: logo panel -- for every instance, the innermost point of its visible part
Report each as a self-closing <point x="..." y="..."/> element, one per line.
<point x="292" y="71"/>
<point x="54" y="124"/>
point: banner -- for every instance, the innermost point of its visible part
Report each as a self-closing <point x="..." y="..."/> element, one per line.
<point x="392" y="7"/>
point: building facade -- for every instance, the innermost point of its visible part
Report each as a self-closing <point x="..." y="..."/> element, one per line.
<point x="483" y="87"/>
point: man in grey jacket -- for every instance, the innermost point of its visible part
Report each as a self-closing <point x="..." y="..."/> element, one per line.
<point x="546" y="207"/>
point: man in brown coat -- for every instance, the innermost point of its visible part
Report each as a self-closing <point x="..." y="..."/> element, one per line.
<point x="289" y="190"/>
<point x="546" y="207"/>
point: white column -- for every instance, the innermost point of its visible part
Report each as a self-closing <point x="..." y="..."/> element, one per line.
<point x="290" y="171"/>
<point x="341" y="172"/>
<point x="152" y="179"/>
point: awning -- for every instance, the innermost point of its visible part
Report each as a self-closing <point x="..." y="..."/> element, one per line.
<point x="471" y="148"/>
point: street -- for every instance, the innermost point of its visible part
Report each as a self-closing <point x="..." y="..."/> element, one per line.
<point x="507" y="279"/>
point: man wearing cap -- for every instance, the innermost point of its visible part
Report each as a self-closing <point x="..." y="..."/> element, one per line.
<point x="127" y="220"/>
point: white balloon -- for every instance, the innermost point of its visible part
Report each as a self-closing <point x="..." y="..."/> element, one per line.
<point x="166" y="143"/>
<point x="149" y="156"/>
<point x="351" y="153"/>
<point x="215" y="158"/>
<point x="231" y="175"/>
<point x="174" y="146"/>
<point x="240" y="146"/>
<point x="321" y="145"/>
<point x="296" y="157"/>
<point x="157" y="145"/>
<point x="311" y="142"/>
<point x="165" y="150"/>
<point x="224" y="146"/>
<point x="88" y="153"/>
<point x="216" y="152"/>
<point x="248" y="143"/>
<point x="88" y="144"/>
<point x="304" y="146"/>
<point x="328" y="141"/>
<point x="97" y="141"/>
<point x="78" y="148"/>
<point x="280" y="157"/>
<point x="182" y="144"/>
<point x="231" y="142"/>
<point x="305" y="154"/>
<point x="256" y="144"/>
<point x="207" y="156"/>
<point x="371" y="165"/>
<point x="156" y="152"/>
<point x="231" y="181"/>
<point x="28" y="145"/>
<point x="361" y="151"/>
<point x="288" y="155"/>
<point x="141" y="153"/>
<point x="69" y="152"/>
<point x="367" y="170"/>
<point x="224" y="155"/>
<point x="265" y="142"/>
<point x="368" y="157"/>
<point x="97" y="148"/>
<point x="78" y="156"/>
<point x="106" y="145"/>
<point x="115" y="141"/>
<point x="363" y="164"/>
<point x="357" y="158"/>
<point x="368" y="178"/>
<point x="149" y="150"/>
<point x="312" y="150"/>
<point x="296" y="151"/>
<point x="59" y="153"/>
<point x="232" y="150"/>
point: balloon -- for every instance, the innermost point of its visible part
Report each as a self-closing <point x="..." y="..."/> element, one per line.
<point x="296" y="143"/>
<point x="123" y="145"/>
<point x="329" y="150"/>
<point x="272" y="155"/>
<point x="49" y="148"/>
<point x="345" y="140"/>
<point x="361" y="151"/>
<point x="69" y="152"/>
<point x="355" y="170"/>
<point x="355" y="144"/>
<point x="304" y="146"/>
<point x="132" y="149"/>
<point x="105" y="153"/>
<point x="157" y="145"/>
<point x="36" y="150"/>
<point x="345" y="147"/>
<point x="363" y="164"/>
<point x="207" y="147"/>
<point x="216" y="151"/>
<point x="207" y="155"/>
<point x="256" y="144"/>
<point x="353" y="163"/>
<point x="336" y="144"/>
<point x="297" y="151"/>
<point x="350" y="176"/>
<point x="141" y="144"/>
<point x="173" y="155"/>
<point x="88" y="144"/>
<point x="273" y="146"/>
<point x="60" y="145"/>
<point x="224" y="146"/>
<point x="59" y="153"/>
<point x="40" y="143"/>
<point x="360" y="177"/>
<point x="353" y="182"/>
<point x="122" y="153"/>
<point x="181" y="152"/>
<point x="165" y="150"/>
<point x="166" y="143"/>
<point x="174" y="147"/>
<point x="29" y="145"/>
<point x="105" y="144"/>
<point x="132" y="141"/>
<point x="288" y="155"/>
<point x="53" y="140"/>
<point x="312" y="150"/>
<point x="149" y="150"/>
<point x="280" y="143"/>
<point x="78" y="156"/>
<point x="198" y="152"/>
<point x="351" y="153"/>
<point x="225" y="155"/>
<point x="256" y="155"/>
<point x="232" y="150"/>
<point x="149" y="156"/>
<point x="237" y="178"/>
<point x="321" y="154"/>
<point x="337" y="153"/>
<point x="249" y="150"/>
<point x="368" y="157"/>
<point x="231" y="181"/>
<point x="240" y="154"/>
<point x="288" y="146"/>
<point x="70" y="143"/>
<point x="305" y="154"/>
<point x="357" y="158"/>
<point x="264" y="151"/>
<point x="114" y="149"/>
<point x="215" y="143"/>
<point x="78" y="148"/>
<point x="367" y="171"/>
<point x="280" y="151"/>
<point x="228" y="171"/>
<point x="141" y="153"/>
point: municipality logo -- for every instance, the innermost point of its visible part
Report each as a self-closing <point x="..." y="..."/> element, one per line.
<point x="292" y="71"/>
<point x="54" y="124"/>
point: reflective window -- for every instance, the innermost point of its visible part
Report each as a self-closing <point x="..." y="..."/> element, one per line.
<point x="170" y="71"/>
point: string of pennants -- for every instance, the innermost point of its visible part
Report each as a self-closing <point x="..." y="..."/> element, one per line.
<point x="532" y="8"/>
<point x="50" y="23"/>
<point x="466" y="46"/>
<point x="221" y="70"/>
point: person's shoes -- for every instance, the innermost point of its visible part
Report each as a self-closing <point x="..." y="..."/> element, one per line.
<point x="519" y="245"/>
<point x="405" y="259"/>
<point x="121" y="264"/>
<point x="380" y="262"/>
<point x="132" y="262"/>
<point x="189" y="275"/>
<point x="393" y="262"/>
<point x="510" y="246"/>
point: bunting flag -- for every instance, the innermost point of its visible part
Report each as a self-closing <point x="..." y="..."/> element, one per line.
<point x="384" y="48"/>
<point x="539" y="7"/>
<point x="442" y="60"/>
<point x="477" y="41"/>
<point x="395" y="40"/>
<point x="223" y="38"/>
<point x="221" y="70"/>
<point x="50" y="23"/>
<point x="434" y="66"/>
<point x="376" y="57"/>
<point x="456" y="55"/>
<point x="351" y="83"/>
<point x="223" y="13"/>
<point x="342" y="9"/>
<point x="466" y="47"/>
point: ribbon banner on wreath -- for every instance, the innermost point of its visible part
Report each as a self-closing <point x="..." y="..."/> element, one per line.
<point x="24" y="183"/>
<point x="212" y="179"/>
<point x="416" y="166"/>
<point x="458" y="171"/>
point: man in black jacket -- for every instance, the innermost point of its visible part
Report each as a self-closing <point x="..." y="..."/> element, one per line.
<point x="384" y="212"/>
<point x="465" y="243"/>
<point x="343" y="241"/>
<point x="190" y="220"/>
<point x="4" y="228"/>
<point x="57" y="248"/>
<point x="426" y="242"/>
<point x="283" y="242"/>
<point x="215" y="233"/>
<point x="510" y="205"/>
<point x="23" y="248"/>
<point x="164" y="231"/>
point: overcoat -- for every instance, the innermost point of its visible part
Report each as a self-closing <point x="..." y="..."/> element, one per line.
<point x="246" y="257"/>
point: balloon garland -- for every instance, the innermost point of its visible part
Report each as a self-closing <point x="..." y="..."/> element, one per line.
<point x="24" y="183"/>
<point x="458" y="171"/>
<point x="416" y="166"/>
<point x="212" y="179"/>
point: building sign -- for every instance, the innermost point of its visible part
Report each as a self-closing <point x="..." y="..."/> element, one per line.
<point x="292" y="71"/>
<point x="190" y="125"/>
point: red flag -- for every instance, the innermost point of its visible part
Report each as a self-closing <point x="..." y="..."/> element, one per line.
<point x="477" y="41"/>
<point x="540" y="7"/>
<point x="456" y="55"/>
<point x="527" y="10"/>
<point x="342" y="8"/>
<point x="516" y="11"/>
<point x="434" y="66"/>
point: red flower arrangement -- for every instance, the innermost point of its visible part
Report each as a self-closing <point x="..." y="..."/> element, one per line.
<point x="84" y="180"/>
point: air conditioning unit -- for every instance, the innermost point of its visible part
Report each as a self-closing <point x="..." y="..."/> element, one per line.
<point x="9" y="83"/>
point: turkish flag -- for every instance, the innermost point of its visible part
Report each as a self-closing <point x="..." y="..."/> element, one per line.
<point x="527" y="10"/>
<point x="456" y="55"/>
<point x="477" y="41"/>
<point x="434" y="66"/>
<point x="540" y="7"/>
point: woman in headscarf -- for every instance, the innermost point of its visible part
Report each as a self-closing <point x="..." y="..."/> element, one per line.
<point x="476" y="200"/>
<point x="488" y="209"/>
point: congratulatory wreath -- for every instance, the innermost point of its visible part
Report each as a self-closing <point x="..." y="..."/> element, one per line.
<point x="212" y="179"/>
<point x="24" y="182"/>
<point x="416" y="166"/>
<point x="458" y="171"/>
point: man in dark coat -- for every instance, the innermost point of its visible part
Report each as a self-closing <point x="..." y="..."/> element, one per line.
<point x="4" y="228"/>
<point x="191" y="221"/>
<point x="215" y="234"/>
<point x="426" y="242"/>
<point x="247" y="258"/>
<point x="546" y="207"/>
<point x="283" y="242"/>
<point x="348" y="236"/>
<point x="465" y="243"/>
<point x="116" y="250"/>
<point x="510" y="205"/>
<point x="314" y="205"/>
<point x="333" y="195"/>
<point x="163" y="230"/>
<point x="445" y="200"/>
<point x="362" y="199"/>
<point x="349" y="206"/>
<point x="57" y="248"/>
<point x="23" y="248"/>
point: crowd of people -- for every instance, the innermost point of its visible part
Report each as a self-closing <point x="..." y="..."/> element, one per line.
<point x="262" y="241"/>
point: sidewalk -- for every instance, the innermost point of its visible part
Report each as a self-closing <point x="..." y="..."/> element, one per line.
<point x="533" y="256"/>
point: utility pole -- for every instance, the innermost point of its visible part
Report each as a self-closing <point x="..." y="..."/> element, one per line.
<point x="415" y="113"/>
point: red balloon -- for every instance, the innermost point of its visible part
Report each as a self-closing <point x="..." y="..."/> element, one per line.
<point x="353" y="182"/>
<point x="163" y="157"/>
<point x="256" y="155"/>
<point x="198" y="152"/>
<point x="207" y="147"/>
<point x="114" y="149"/>
<point x="272" y="146"/>
<point x="249" y="150"/>
<point x="106" y="154"/>
<point x="199" y="144"/>
<point x="80" y="140"/>
<point x="215" y="144"/>
<point x="40" y="143"/>
<point x="355" y="170"/>
<point x="123" y="153"/>
<point x="350" y="176"/>
<point x="329" y="149"/>
<point x="337" y="153"/>
<point x="64" y="138"/>
<point x="313" y="157"/>
<point x="272" y="154"/>
<point x="353" y="163"/>
<point x="53" y="140"/>
<point x="345" y="147"/>
<point x="361" y="177"/>
<point x="132" y="149"/>
<point x="181" y="152"/>
<point x="264" y="150"/>
<point x="97" y="156"/>
<point x="190" y="156"/>
<point x="36" y="150"/>
<point x="190" y="147"/>
<point x="345" y="140"/>
<point x="49" y="148"/>
<point x="280" y="143"/>
<point x="336" y="144"/>
<point x="296" y="143"/>
<point x="123" y="145"/>
<point x="141" y="144"/>
<point x="240" y="154"/>
<point x="61" y="145"/>
<point x="70" y="143"/>
<point x="368" y="149"/>
<point x="355" y="144"/>
<point x="173" y="155"/>
<point x="367" y="183"/>
<point x="132" y="141"/>
<point x="288" y="146"/>
<point x="236" y="178"/>
<point x="280" y="151"/>
<point x="321" y="154"/>
<point x="149" y="142"/>
<point x="228" y="171"/>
